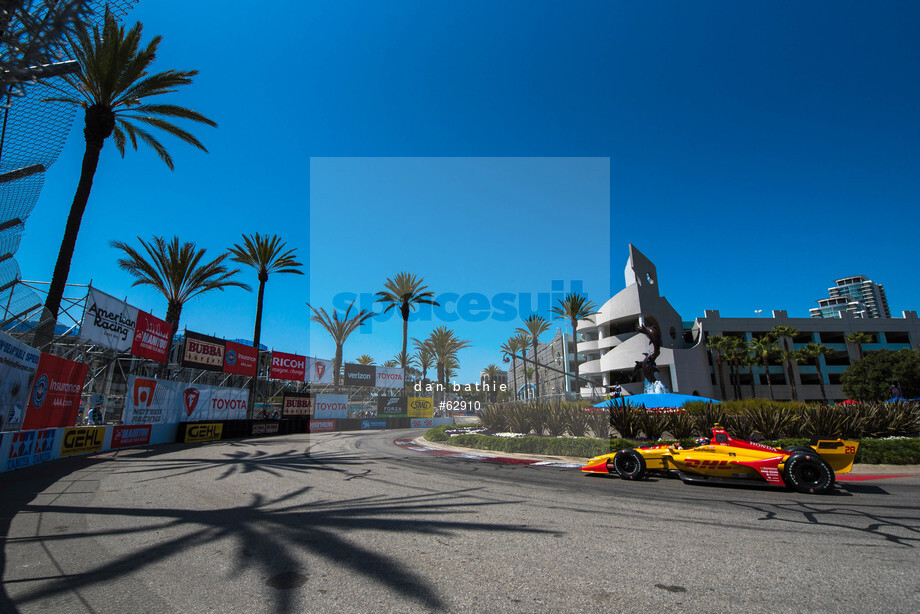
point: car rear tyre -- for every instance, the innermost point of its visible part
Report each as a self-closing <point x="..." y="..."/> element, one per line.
<point x="809" y="473"/>
<point x="629" y="465"/>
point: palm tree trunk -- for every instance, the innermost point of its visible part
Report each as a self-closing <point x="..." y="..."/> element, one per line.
<point x="788" y="357"/>
<point x="256" y="338"/>
<point x="404" y="309"/>
<point x="751" y="369"/>
<point x="573" y="369"/>
<point x="721" y="378"/>
<point x="336" y="366"/>
<point x="820" y="377"/>
<point x="536" y="369"/>
<point x="514" y="374"/>
<point x="766" y="369"/>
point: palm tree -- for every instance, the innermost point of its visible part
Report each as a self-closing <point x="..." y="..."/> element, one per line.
<point x="406" y="291"/>
<point x="405" y="361"/>
<point x="444" y="345"/>
<point x="512" y="346"/>
<point x="574" y="307"/>
<point x="390" y="363"/>
<point x="764" y="347"/>
<point x="534" y="326"/>
<point x="716" y="345"/>
<point x="339" y="330"/>
<point x="813" y="351"/>
<point x="785" y="333"/>
<point x="734" y="350"/>
<point x="491" y="372"/>
<point x="424" y="357"/>
<point x="750" y="360"/>
<point x="112" y="87"/>
<point x="177" y="272"/>
<point x="266" y="255"/>
<point x="858" y="339"/>
<point x="364" y="359"/>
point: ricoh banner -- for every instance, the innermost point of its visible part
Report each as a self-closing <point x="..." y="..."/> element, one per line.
<point x="330" y="406"/>
<point x="154" y="401"/>
<point x="18" y="363"/>
<point x="389" y="377"/>
<point x="360" y="375"/>
<point x="319" y="371"/>
<point x="203" y="352"/>
<point x="288" y="366"/>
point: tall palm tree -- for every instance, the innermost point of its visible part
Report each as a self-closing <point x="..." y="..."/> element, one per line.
<point x="764" y="348"/>
<point x="492" y="372"/>
<point x="339" y="330"/>
<point x="177" y="271"/>
<point x="364" y="359"/>
<point x="404" y="361"/>
<point x="512" y="346"/>
<point x="425" y="358"/>
<point x="574" y="307"/>
<point x="858" y="339"/>
<point x="266" y="254"/>
<point x="750" y="360"/>
<point x="784" y="333"/>
<point x="444" y="345"/>
<point x="814" y="351"/>
<point x="112" y="87"/>
<point x="734" y="350"/>
<point x="534" y="326"/>
<point x="405" y="291"/>
<point x="390" y="363"/>
<point x="716" y="345"/>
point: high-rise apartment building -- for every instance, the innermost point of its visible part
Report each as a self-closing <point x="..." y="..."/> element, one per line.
<point x="861" y="297"/>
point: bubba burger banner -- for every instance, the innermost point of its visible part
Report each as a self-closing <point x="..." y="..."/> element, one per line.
<point x="156" y="401"/>
<point x="116" y="325"/>
<point x="288" y="366"/>
<point x="56" y="392"/>
<point x="319" y="371"/>
<point x="241" y="359"/>
<point x="203" y="352"/>
<point x="389" y="377"/>
<point x="297" y="404"/>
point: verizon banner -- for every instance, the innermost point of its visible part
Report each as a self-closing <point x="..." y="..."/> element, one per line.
<point x="319" y="371"/>
<point x="18" y="363"/>
<point x="360" y="375"/>
<point x="108" y="322"/>
<point x="55" y="397"/>
<point x="151" y="337"/>
<point x="241" y="359"/>
<point x="389" y="377"/>
<point x="155" y="401"/>
<point x="330" y="406"/>
<point x="297" y="404"/>
<point x="203" y="352"/>
<point x="288" y="366"/>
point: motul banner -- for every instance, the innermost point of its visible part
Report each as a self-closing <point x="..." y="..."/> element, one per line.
<point x="151" y="337"/>
<point x="389" y="377"/>
<point x="319" y="371"/>
<point x="297" y="404"/>
<point x="288" y="366"/>
<point x="330" y="406"/>
<point x="108" y="322"/>
<point x="155" y="401"/>
<point x="55" y="397"/>
<point x="241" y="359"/>
<point x="203" y="352"/>
<point x="360" y="375"/>
<point x="18" y="363"/>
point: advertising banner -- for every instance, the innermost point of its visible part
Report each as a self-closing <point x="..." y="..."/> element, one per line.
<point x="288" y="366"/>
<point x="203" y="432"/>
<point x="391" y="406"/>
<point x="56" y="392"/>
<point x="427" y="423"/>
<point x="30" y="448"/>
<point x="373" y="424"/>
<point x="241" y="359"/>
<point x="153" y="401"/>
<point x="421" y="407"/>
<point x="322" y="426"/>
<point x="330" y="406"/>
<point x="297" y="404"/>
<point x="18" y="363"/>
<point x="319" y="371"/>
<point x="128" y="436"/>
<point x="389" y="377"/>
<point x="360" y="375"/>
<point x="265" y="428"/>
<point x="203" y="352"/>
<point x="108" y="322"/>
<point x="151" y="337"/>
<point x="82" y="440"/>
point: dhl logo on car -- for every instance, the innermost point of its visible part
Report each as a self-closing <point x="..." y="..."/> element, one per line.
<point x="708" y="464"/>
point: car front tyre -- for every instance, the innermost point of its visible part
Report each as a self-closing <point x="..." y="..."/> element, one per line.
<point x="808" y="473"/>
<point x="629" y="465"/>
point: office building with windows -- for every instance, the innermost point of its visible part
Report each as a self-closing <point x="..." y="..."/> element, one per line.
<point x="859" y="296"/>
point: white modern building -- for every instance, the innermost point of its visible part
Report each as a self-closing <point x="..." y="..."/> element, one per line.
<point x="859" y="296"/>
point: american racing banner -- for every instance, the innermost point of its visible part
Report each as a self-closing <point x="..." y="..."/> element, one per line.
<point x="297" y="404"/>
<point x="108" y="322"/>
<point x="30" y="448"/>
<point x="288" y="366"/>
<point x="56" y="392"/>
<point x="330" y="406"/>
<point x="421" y="407"/>
<point x="360" y="375"/>
<point x="203" y="352"/>
<point x="391" y="406"/>
<point x="18" y="363"/>
<point x="130" y="435"/>
<point x="241" y="359"/>
<point x="389" y="377"/>
<point x="319" y="371"/>
<point x="155" y="401"/>
<point x="151" y="337"/>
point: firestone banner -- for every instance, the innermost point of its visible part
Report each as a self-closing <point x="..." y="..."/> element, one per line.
<point x="203" y="352"/>
<point x="108" y="322"/>
<point x="319" y="371"/>
<point x="154" y="401"/>
<point x="18" y="363"/>
<point x="241" y="359"/>
<point x="330" y="407"/>
<point x="56" y="392"/>
<point x="288" y="366"/>
<point x="389" y="377"/>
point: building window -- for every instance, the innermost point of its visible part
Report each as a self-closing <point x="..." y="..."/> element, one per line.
<point x="832" y="337"/>
<point x="897" y="337"/>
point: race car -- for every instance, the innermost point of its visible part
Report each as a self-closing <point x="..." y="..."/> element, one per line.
<point x="724" y="459"/>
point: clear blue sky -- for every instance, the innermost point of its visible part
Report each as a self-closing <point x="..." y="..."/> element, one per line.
<point x="754" y="151"/>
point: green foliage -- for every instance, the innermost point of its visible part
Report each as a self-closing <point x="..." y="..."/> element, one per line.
<point x="555" y="419"/>
<point x="494" y="418"/>
<point x="624" y="419"/>
<point x="870" y="378"/>
<point x="740" y="425"/>
<point x="773" y="420"/>
<point x="681" y="425"/>
<point x="437" y="433"/>
<point x="712" y="414"/>
<point x="599" y="422"/>
<point x="653" y="423"/>
<point x="576" y="419"/>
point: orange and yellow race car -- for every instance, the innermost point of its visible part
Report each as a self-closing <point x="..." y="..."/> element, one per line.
<point x="724" y="459"/>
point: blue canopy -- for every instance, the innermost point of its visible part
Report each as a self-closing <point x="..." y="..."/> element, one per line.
<point x="667" y="399"/>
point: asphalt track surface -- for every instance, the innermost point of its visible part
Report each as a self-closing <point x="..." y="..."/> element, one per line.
<point x="363" y="525"/>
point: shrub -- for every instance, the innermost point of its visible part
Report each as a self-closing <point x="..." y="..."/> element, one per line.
<point x="681" y="425"/>
<point x="576" y="419"/>
<point x="555" y="418"/>
<point x="653" y="423"/>
<point x="739" y="425"/>
<point x="495" y="417"/>
<point x="773" y="420"/>
<point x="599" y="422"/>
<point x="519" y="418"/>
<point x="711" y="414"/>
<point x="624" y="419"/>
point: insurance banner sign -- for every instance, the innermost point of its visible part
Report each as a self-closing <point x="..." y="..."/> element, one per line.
<point x="56" y="392"/>
<point x="18" y="363"/>
<point x="241" y="359"/>
<point x="153" y="401"/>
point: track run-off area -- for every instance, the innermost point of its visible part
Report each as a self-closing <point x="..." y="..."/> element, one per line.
<point x="352" y="522"/>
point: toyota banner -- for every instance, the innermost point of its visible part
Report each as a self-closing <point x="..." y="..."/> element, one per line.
<point x="155" y="401"/>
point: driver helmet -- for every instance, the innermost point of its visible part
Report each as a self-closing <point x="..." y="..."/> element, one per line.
<point x="701" y="441"/>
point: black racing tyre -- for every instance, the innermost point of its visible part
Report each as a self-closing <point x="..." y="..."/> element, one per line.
<point x="629" y="465"/>
<point x="809" y="473"/>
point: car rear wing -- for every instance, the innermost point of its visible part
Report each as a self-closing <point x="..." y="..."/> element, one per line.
<point x="839" y="453"/>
